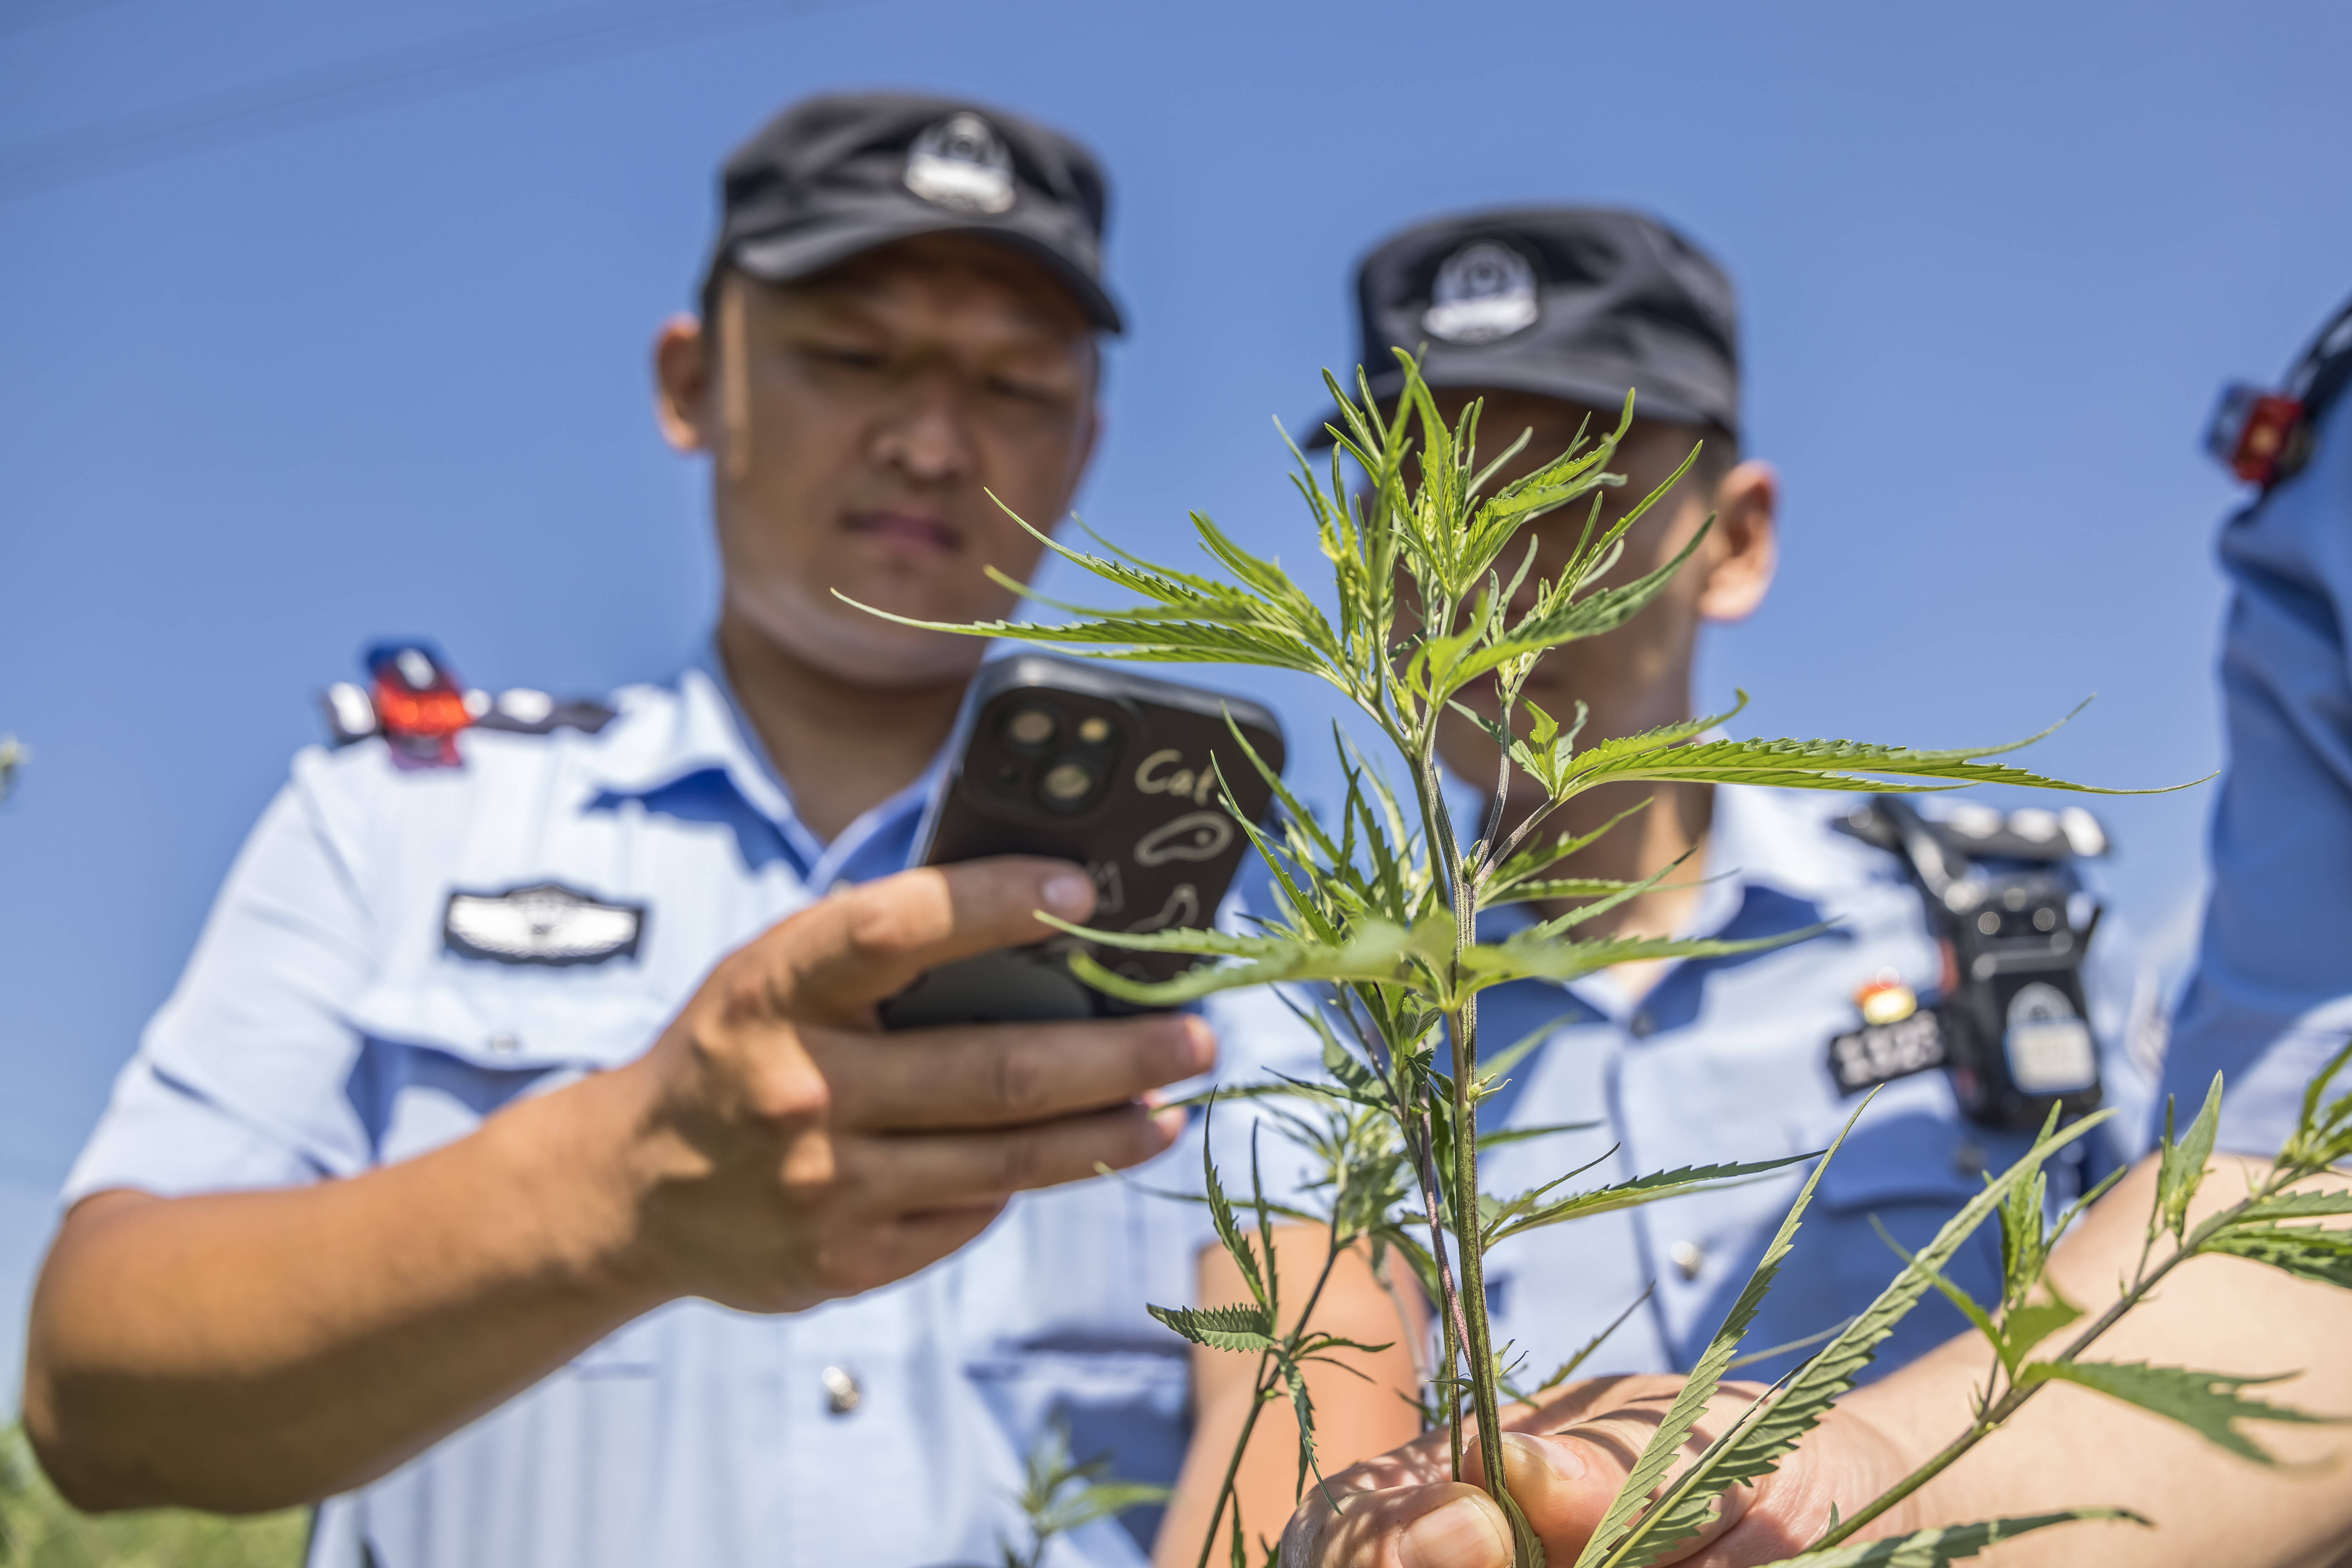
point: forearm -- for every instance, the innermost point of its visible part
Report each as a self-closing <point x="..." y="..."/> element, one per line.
<point x="1361" y="1404"/>
<point x="2070" y="1447"/>
<point x="251" y="1349"/>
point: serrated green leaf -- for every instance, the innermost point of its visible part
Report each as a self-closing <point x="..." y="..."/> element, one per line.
<point x="1625" y="1541"/>
<point x="1969" y="1307"/>
<point x="2181" y="1169"/>
<point x="2299" y="1205"/>
<point x="1526" y="862"/>
<point x="2022" y="1328"/>
<point x="1948" y="1544"/>
<point x="1375" y="949"/>
<point x="1755" y="1448"/>
<point x="1237" y="1328"/>
<point x="1221" y="1212"/>
<point x="2207" y="1403"/>
<point x="1101" y="1500"/>
<point x="1561" y="887"/>
<point x="1526" y="955"/>
<point x="2320" y="1140"/>
<point x="2305" y="1251"/>
<point x="1826" y="764"/>
<point x="1649" y="1189"/>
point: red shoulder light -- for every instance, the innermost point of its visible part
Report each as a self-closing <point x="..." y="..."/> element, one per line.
<point x="2252" y="430"/>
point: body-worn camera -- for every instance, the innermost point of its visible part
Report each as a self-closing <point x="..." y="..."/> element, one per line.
<point x="2014" y="922"/>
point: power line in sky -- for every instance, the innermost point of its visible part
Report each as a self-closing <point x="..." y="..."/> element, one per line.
<point x="479" y="56"/>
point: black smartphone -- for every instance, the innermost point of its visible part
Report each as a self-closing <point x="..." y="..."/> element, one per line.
<point x="1088" y="762"/>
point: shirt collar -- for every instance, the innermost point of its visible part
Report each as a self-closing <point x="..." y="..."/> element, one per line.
<point x="1758" y="838"/>
<point x="696" y="725"/>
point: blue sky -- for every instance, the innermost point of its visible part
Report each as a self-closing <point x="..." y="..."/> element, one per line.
<point x="320" y="322"/>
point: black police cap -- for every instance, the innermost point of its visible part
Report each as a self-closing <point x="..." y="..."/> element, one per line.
<point x="837" y="174"/>
<point x="1578" y="303"/>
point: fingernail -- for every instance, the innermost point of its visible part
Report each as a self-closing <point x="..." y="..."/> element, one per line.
<point x="1546" y="1475"/>
<point x="1467" y="1532"/>
<point x="1560" y="1461"/>
<point x="1197" y="1050"/>
<point x="1068" y="894"/>
<point x="1171" y="1122"/>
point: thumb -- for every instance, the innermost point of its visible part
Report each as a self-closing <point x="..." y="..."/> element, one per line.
<point x="850" y="950"/>
<point x="1445" y="1524"/>
<point x="1565" y="1482"/>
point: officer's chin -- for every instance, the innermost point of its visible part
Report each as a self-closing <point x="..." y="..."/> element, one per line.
<point x="849" y="645"/>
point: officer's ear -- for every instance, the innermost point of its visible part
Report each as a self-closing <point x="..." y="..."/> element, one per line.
<point x="682" y="378"/>
<point x="1746" y="548"/>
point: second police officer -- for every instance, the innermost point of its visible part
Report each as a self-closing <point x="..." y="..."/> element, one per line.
<point x="2267" y="1008"/>
<point x="1952" y="977"/>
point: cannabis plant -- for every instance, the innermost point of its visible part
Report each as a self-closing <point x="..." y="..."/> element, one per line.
<point x="1435" y="598"/>
<point x="1061" y="1494"/>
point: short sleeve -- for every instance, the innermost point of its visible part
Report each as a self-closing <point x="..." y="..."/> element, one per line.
<point x="240" y="1081"/>
<point x="2272" y="996"/>
<point x="164" y="1138"/>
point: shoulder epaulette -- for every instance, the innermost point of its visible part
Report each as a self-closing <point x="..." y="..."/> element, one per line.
<point x="414" y="701"/>
<point x="2263" y="435"/>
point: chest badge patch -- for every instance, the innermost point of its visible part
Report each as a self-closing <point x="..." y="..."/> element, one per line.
<point x="543" y="923"/>
<point x="1898" y="1037"/>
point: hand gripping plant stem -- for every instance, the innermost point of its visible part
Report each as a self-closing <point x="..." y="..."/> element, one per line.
<point x="1436" y="597"/>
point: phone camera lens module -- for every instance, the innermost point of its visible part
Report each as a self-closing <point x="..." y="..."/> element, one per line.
<point x="1066" y="784"/>
<point x="1030" y="728"/>
<point x="1093" y="732"/>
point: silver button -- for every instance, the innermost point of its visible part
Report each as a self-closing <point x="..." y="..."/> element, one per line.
<point x="1969" y="1159"/>
<point x="1688" y="1257"/>
<point x="841" y="1390"/>
<point x="504" y="1045"/>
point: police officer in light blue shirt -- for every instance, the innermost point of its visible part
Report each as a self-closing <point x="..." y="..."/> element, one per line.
<point x="518" y="1164"/>
<point x="2272" y="996"/>
<point x="2269" y="1004"/>
<point x="1953" y="975"/>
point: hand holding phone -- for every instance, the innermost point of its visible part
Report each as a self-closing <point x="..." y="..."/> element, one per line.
<point x="1117" y="772"/>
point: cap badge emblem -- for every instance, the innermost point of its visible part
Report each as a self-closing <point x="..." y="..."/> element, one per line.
<point x="963" y="164"/>
<point x="1484" y="291"/>
<point x="543" y="923"/>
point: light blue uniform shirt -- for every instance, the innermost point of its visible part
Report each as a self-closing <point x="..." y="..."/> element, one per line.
<point x="1728" y="1059"/>
<point x="2272" y="997"/>
<point x="323" y="1027"/>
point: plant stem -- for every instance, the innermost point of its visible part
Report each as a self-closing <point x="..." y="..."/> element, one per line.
<point x="1477" y="1348"/>
<point x="1268" y="1372"/>
<point x="2010" y="1403"/>
<point x="1453" y="1331"/>
<point x="1462" y="1035"/>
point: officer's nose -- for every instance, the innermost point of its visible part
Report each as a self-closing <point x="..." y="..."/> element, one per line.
<point x="926" y="440"/>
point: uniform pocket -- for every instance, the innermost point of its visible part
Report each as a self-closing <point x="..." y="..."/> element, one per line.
<point x="512" y="1018"/>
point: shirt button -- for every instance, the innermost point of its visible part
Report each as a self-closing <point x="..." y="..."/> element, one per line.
<point x="504" y="1045"/>
<point x="841" y="1390"/>
<point x="1642" y="1026"/>
<point x="1969" y="1159"/>
<point x="1688" y="1257"/>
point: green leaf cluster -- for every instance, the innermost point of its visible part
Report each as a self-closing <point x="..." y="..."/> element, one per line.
<point x="1061" y="1494"/>
<point x="1440" y="606"/>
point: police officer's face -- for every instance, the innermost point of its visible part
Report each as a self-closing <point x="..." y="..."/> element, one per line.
<point x="858" y="422"/>
<point x="1639" y="674"/>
